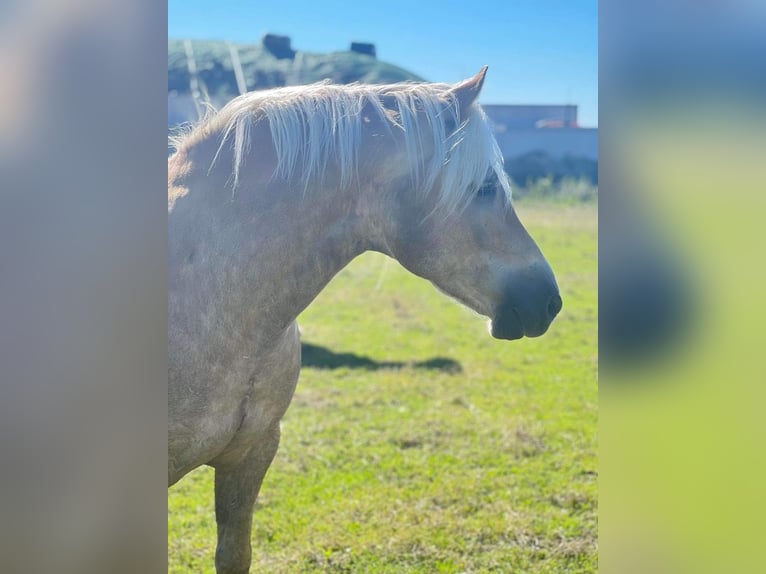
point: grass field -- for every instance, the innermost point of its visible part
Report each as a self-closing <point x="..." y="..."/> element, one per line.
<point x="417" y="443"/>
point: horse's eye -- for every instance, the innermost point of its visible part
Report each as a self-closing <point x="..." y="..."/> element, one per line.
<point x="487" y="190"/>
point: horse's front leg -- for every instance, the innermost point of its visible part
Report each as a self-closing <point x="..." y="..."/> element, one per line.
<point x="240" y="469"/>
<point x="236" y="488"/>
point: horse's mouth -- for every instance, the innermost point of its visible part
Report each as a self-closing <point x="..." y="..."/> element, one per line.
<point x="507" y="326"/>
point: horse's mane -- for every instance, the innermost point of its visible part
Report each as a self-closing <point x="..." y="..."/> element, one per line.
<point x="311" y="125"/>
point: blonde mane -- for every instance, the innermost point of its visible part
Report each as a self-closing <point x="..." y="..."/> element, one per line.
<point x="315" y="124"/>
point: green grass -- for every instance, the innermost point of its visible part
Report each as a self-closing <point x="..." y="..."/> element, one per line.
<point x="417" y="443"/>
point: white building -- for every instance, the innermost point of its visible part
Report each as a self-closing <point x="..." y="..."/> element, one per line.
<point x="549" y="128"/>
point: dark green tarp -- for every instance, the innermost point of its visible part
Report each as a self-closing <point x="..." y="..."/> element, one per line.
<point x="261" y="69"/>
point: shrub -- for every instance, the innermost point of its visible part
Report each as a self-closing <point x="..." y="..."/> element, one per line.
<point x="536" y="165"/>
<point x="569" y="190"/>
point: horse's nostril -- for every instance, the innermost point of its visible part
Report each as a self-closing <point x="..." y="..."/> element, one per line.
<point x="554" y="306"/>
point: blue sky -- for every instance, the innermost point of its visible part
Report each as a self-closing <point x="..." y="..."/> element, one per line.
<point x="538" y="51"/>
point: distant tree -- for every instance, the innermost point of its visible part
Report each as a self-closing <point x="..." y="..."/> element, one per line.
<point x="531" y="167"/>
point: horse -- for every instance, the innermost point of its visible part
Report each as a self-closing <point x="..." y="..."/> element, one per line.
<point x="271" y="197"/>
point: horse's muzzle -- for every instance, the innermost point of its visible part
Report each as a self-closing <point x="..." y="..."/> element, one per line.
<point x="530" y="305"/>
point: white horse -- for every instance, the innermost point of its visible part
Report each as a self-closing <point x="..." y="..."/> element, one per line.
<point x="268" y="200"/>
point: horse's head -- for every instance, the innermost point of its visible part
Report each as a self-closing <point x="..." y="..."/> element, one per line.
<point x="462" y="233"/>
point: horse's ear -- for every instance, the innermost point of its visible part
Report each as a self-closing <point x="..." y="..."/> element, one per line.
<point x="467" y="91"/>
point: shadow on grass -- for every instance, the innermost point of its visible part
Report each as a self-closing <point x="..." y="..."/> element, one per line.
<point x="323" y="358"/>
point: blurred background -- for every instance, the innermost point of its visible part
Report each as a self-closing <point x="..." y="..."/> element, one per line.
<point x="681" y="286"/>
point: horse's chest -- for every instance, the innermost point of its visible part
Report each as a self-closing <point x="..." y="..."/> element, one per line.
<point x="272" y="383"/>
<point x="266" y="395"/>
<point x="223" y="415"/>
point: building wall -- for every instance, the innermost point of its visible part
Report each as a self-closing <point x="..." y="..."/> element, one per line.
<point x="508" y="117"/>
<point x="557" y="142"/>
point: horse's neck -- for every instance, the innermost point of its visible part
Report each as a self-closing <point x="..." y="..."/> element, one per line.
<point x="255" y="261"/>
<point x="301" y="244"/>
